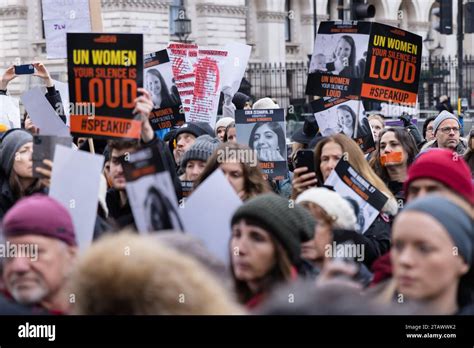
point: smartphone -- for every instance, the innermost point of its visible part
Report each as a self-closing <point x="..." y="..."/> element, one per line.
<point x="305" y="158"/>
<point x="26" y="69"/>
<point x="44" y="147"/>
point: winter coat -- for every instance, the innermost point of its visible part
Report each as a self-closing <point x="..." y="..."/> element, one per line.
<point x="460" y="149"/>
<point x="7" y="200"/>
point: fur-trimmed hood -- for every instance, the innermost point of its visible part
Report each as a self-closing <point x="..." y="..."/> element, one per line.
<point x="127" y="274"/>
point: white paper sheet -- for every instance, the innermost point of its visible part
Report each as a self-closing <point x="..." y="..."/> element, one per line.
<point x="75" y="184"/>
<point x="61" y="17"/>
<point x="234" y="68"/>
<point x="10" y="112"/>
<point x="42" y="113"/>
<point x="209" y="218"/>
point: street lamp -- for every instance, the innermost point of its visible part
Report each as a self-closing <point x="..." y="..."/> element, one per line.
<point x="182" y="25"/>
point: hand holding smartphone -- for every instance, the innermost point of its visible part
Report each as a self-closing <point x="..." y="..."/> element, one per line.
<point x="305" y="158"/>
<point x="26" y="69"/>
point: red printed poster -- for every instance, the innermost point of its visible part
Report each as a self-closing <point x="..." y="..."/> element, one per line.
<point x="183" y="58"/>
<point x="207" y="86"/>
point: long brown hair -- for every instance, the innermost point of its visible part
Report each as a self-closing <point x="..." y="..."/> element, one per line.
<point x="356" y="159"/>
<point x="408" y="144"/>
<point x="280" y="273"/>
<point x="17" y="188"/>
<point x="254" y="183"/>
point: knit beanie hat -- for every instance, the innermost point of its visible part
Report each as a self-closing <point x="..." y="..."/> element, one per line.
<point x="265" y="103"/>
<point x="40" y="215"/>
<point x="195" y="128"/>
<point x="453" y="218"/>
<point x="290" y="225"/>
<point x="239" y="100"/>
<point x="201" y="150"/>
<point x="11" y="143"/>
<point x="223" y="122"/>
<point x="446" y="167"/>
<point x="443" y="116"/>
<point x="333" y="204"/>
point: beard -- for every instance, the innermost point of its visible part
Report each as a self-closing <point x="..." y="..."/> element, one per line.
<point x="30" y="295"/>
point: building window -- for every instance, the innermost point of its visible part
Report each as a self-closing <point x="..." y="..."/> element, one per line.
<point x="174" y="12"/>
<point x="287" y="21"/>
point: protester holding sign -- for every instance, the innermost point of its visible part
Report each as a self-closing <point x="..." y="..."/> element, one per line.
<point x="17" y="180"/>
<point x="265" y="245"/>
<point x="327" y="154"/>
<point x="396" y="151"/>
<point x="117" y="200"/>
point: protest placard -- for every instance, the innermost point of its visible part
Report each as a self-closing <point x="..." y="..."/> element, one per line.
<point x="105" y="70"/>
<point x="42" y="113"/>
<point x="338" y="61"/>
<point x="207" y="86"/>
<point x="81" y="198"/>
<point x="183" y="58"/>
<point x="346" y="181"/>
<point x="393" y="65"/>
<point x="159" y="81"/>
<point x="61" y="17"/>
<point x="367" y="61"/>
<point x="212" y="224"/>
<point x="238" y="55"/>
<point x="150" y="191"/>
<point x="264" y="131"/>
<point x="44" y="147"/>
<point x="339" y="115"/>
<point x="9" y="112"/>
<point x="186" y="188"/>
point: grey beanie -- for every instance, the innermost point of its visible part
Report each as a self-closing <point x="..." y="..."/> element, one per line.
<point x="453" y="218"/>
<point x="201" y="150"/>
<point x="289" y="224"/>
<point x="11" y="143"/>
<point x="444" y="115"/>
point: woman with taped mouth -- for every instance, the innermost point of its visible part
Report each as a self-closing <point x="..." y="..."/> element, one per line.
<point x="268" y="139"/>
<point x="395" y="152"/>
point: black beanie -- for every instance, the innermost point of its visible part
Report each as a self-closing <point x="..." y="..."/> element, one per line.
<point x="195" y="128"/>
<point x="289" y="223"/>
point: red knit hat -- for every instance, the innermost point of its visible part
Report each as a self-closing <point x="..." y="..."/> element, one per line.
<point x="40" y="215"/>
<point x="446" y="167"/>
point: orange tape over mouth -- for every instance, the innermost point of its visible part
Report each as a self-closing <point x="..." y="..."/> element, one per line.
<point x="395" y="157"/>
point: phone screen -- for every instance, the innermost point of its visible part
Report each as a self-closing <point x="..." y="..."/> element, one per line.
<point x="24" y="69"/>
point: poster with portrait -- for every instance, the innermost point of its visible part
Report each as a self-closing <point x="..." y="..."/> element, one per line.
<point x="207" y="86"/>
<point x="393" y="66"/>
<point x="151" y="192"/>
<point x="338" y="62"/>
<point x="345" y="116"/>
<point x="346" y="181"/>
<point x="105" y="71"/>
<point x="159" y="81"/>
<point x="264" y="132"/>
<point x="183" y="57"/>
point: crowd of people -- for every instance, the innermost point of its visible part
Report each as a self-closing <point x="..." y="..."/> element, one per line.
<point x="417" y="256"/>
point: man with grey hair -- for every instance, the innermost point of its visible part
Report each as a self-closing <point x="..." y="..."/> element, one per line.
<point x="447" y="130"/>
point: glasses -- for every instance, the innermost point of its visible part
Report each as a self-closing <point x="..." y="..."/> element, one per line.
<point x="447" y="130"/>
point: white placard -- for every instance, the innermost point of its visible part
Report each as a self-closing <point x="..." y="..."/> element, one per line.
<point x="209" y="218"/>
<point x="10" y="112"/>
<point x="42" y="113"/>
<point x="75" y="182"/>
